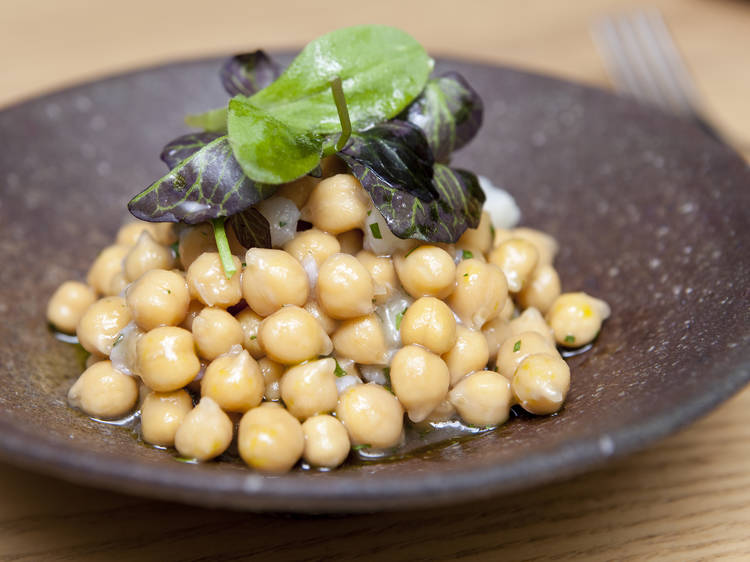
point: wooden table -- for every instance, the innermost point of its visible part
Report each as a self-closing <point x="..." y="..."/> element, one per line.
<point x="687" y="497"/>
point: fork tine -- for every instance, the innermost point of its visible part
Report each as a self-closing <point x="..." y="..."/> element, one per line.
<point x="612" y="52"/>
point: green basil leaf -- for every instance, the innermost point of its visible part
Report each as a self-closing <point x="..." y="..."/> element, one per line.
<point x="382" y="69"/>
<point x="180" y="148"/>
<point x="267" y="148"/>
<point x="252" y="228"/>
<point x="449" y="111"/>
<point x="207" y="185"/>
<point x="457" y="199"/>
<point x="248" y="73"/>
<point x="213" y="120"/>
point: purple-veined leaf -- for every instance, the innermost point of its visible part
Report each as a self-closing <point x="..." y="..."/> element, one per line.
<point x="248" y="73"/>
<point x="252" y="228"/>
<point x="180" y="148"/>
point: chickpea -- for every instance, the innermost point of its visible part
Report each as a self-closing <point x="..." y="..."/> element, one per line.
<point x="383" y="274"/>
<point x="541" y="290"/>
<point x="100" y="324"/>
<point x="345" y="288"/>
<point x="298" y="191"/>
<point x="372" y="415"/>
<point x="310" y="388"/>
<point x="531" y="320"/>
<point x="250" y="324"/>
<point x="443" y="412"/>
<point x="496" y="331"/>
<point x="429" y="322"/>
<point x="209" y="284"/>
<point x="147" y="254"/>
<point x="483" y="398"/>
<point x="162" y="232"/>
<point x="351" y="241"/>
<point x="337" y="204"/>
<point x="328" y="323"/>
<point x="545" y="244"/>
<point x="292" y="335"/>
<point x="480" y="294"/>
<point x="166" y="358"/>
<point x="272" y="279"/>
<point x="234" y="381"/>
<point x="198" y="239"/>
<point x="314" y="243"/>
<point x="215" y="332"/>
<point x="106" y="265"/>
<point x="508" y="310"/>
<point x="92" y="359"/>
<point x="469" y="353"/>
<point x="104" y="392"/>
<point x="158" y="298"/>
<point x="162" y="413"/>
<point x="194" y="309"/>
<point x="420" y="380"/>
<point x="426" y="271"/>
<point x="517" y="348"/>
<point x="517" y="258"/>
<point x="205" y="433"/>
<point x="118" y="284"/>
<point x="362" y="339"/>
<point x="576" y="318"/>
<point x="326" y="441"/>
<point x="272" y="373"/>
<point x="480" y="237"/>
<point x="68" y="304"/>
<point x="541" y="383"/>
<point x="270" y="439"/>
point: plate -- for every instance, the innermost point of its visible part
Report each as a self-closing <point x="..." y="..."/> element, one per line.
<point x="651" y="215"/>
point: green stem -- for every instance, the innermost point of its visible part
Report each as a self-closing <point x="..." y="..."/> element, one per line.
<point x="222" y="243"/>
<point x="340" y="101"/>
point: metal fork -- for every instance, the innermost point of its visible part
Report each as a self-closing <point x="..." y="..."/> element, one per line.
<point x="642" y="60"/>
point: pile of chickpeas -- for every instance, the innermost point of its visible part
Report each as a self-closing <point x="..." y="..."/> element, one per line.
<point x="323" y="343"/>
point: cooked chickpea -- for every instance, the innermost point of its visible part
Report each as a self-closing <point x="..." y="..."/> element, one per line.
<point x="545" y="244"/>
<point x="344" y="288"/>
<point x="147" y="254"/>
<point x="372" y="415"/>
<point x="162" y="413"/>
<point x="272" y="373"/>
<point x="215" y="332"/>
<point x="270" y="439"/>
<point x="420" y="380"/>
<point x="234" y="381"/>
<point x="194" y="309"/>
<point x="576" y="318"/>
<point x="541" y="383"/>
<point x="541" y="290"/>
<point x="429" y="322"/>
<point x="313" y="243"/>
<point x="351" y="241"/>
<point x="158" y="298"/>
<point x="292" y="335"/>
<point x="496" y="331"/>
<point x="383" y="274"/>
<point x="426" y="271"/>
<point x="480" y="294"/>
<point x="362" y="339"/>
<point x="205" y="433"/>
<point x="104" y="392"/>
<point x="162" y="232"/>
<point x="328" y="323"/>
<point x="272" y="279"/>
<point x="106" y="265"/>
<point x="100" y="324"/>
<point x="326" y="441"/>
<point x="469" y="353"/>
<point x="531" y="320"/>
<point x="337" y="204"/>
<point x="298" y="191"/>
<point x="443" y="412"/>
<point x="517" y="348"/>
<point x="310" y="388"/>
<point x="68" y="304"/>
<point x="250" y="324"/>
<point x="517" y="258"/>
<point x="480" y="237"/>
<point x="209" y="284"/>
<point x="118" y="284"/>
<point x="166" y="358"/>
<point x="483" y="398"/>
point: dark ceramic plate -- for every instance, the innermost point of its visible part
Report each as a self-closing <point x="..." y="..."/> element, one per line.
<point x="652" y="216"/>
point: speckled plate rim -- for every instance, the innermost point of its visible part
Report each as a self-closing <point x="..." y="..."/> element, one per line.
<point x="41" y="453"/>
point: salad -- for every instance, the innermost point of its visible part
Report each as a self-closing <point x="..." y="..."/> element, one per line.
<point x="311" y="276"/>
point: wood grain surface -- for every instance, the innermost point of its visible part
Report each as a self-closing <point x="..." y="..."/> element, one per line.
<point x="686" y="498"/>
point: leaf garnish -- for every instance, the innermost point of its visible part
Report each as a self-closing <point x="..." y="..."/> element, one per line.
<point x="207" y="185"/>
<point x="248" y="73"/>
<point x="211" y="121"/>
<point x="180" y="148"/>
<point x="251" y="228"/>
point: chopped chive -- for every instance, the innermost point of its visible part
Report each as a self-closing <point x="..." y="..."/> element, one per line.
<point x="375" y="229"/>
<point x="222" y="243"/>
<point x="282" y="224"/>
<point x="410" y="251"/>
<point x="176" y="249"/>
<point x="169" y="291"/>
<point x="466" y="255"/>
<point x="570" y="339"/>
<point x="339" y="371"/>
<point x="399" y="317"/>
<point x="118" y="339"/>
<point x="466" y="274"/>
<point x="360" y="447"/>
<point x="253" y="337"/>
<point x="517" y="346"/>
